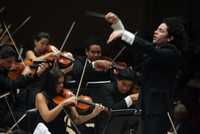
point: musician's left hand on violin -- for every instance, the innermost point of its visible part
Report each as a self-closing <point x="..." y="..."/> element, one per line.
<point x="42" y="68"/>
<point x="39" y="70"/>
<point x="98" y="108"/>
<point x="67" y="69"/>
<point x="27" y="71"/>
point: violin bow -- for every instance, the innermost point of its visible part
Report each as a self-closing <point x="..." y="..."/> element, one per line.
<point x="67" y="36"/>
<point x="18" y="28"/>
<point x="14" y="44"/>
<point x="3" y="34"/>
<point x="65" y="40"/>
<point x="82" y="75"/>
<point x="120" y="51"/>
<point x="21" y="25"/>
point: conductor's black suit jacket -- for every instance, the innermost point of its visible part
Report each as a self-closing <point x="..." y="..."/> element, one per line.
<point x="160" y="69"/>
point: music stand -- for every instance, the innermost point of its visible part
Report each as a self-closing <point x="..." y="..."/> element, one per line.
<point x="22" y="117"/>
<point x="128" y="117"/>
<point x="124" y="121"/>
<point x="5" y="96"/>
<point x="92" y="88"/>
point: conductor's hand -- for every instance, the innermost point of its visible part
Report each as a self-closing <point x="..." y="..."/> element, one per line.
<point x="111" y="18"/>
<point x="115" y="35"/>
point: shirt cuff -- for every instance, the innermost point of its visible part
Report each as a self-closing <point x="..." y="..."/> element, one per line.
<point x="128" y="37"/>
<point x="128" y="101"/>
<point x="118" y="26"/>
<point x="93" y="64"/>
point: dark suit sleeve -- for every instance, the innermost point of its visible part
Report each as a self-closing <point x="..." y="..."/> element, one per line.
<point x="77" y="70"/>
<point x="107" y="98"/>
<point x="90" y="73"/>
<point x="161" y="55"/>
<point x="20" y="82"/>
<point x="119" y="105"/>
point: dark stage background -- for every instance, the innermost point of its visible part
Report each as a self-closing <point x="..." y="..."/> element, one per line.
<point x="56" y="18"/>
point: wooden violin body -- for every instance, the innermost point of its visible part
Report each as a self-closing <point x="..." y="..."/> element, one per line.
<point x="84" y="105"/>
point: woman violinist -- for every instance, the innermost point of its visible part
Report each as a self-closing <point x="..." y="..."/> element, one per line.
<point x="41" y="49"/>
<point x="53" y="115"/>
<point x="44" y="51"/>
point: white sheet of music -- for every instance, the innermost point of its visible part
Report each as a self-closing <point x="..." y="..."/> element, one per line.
<point x="41" y="129"/>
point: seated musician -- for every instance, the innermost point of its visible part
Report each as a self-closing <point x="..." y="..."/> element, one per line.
<point x="93" y="51"/>
<point x="8" y="58"/>
<point x="41" y="48"/>
<point x="53" y="115"/>
<point x="119" y="94"/>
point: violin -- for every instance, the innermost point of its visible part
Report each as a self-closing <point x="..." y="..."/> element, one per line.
<point x="104" y="63"/>
<point x="18" y="68"/>
<point x="14" y="70"/>
<point x="84" y="106"/>
<point x="64" y="59"/>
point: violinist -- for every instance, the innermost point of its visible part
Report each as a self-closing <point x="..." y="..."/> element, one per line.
<point x="119" y="94"/>
<point x="8" y="58"/>
<point x="44" y="51"/>
<point x="41" y="48"/>
<point x="53" y="115"/>
<point x="93" y="51"/>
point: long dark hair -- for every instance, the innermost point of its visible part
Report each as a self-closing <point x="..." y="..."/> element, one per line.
<point x="41" y="35"/>
<point x="51" y="80"/>
<point x="177" y="30"/>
